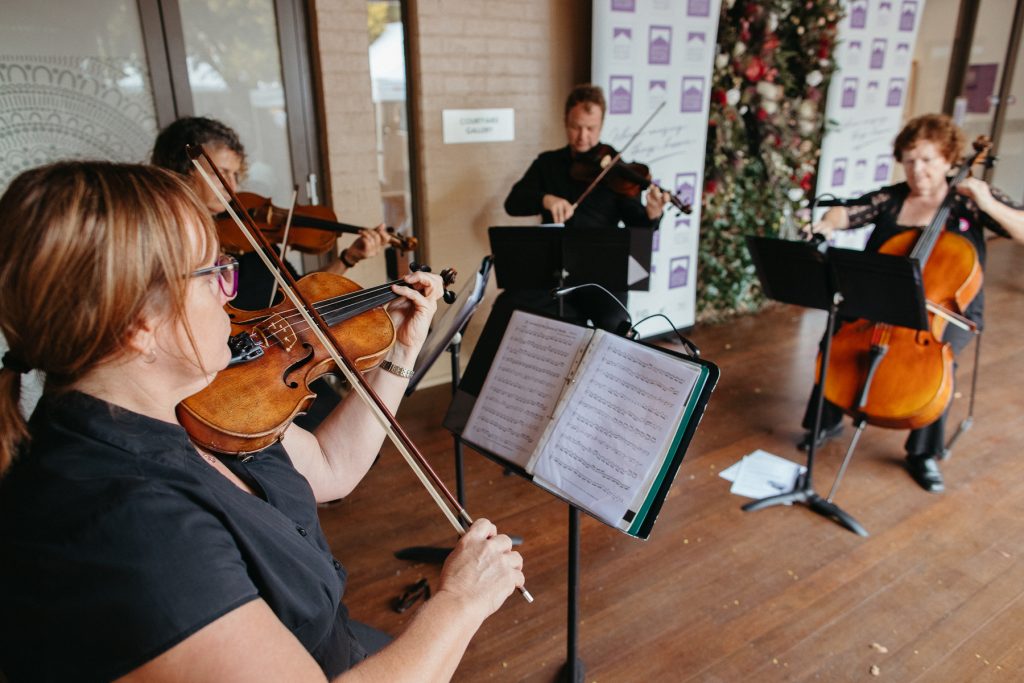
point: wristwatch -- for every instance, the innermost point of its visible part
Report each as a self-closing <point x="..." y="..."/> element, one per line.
<point x="388" y="366"/>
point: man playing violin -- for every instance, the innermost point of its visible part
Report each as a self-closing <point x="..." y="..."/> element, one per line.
<point x="549" y="188"/>
<point x="224" y="147"/>
<point x="928" y="147"/>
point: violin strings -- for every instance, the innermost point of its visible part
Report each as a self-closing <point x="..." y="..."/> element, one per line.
<point x="337" y="309"/>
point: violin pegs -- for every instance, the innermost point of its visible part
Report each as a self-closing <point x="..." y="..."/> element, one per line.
<point x="448" y="276"/>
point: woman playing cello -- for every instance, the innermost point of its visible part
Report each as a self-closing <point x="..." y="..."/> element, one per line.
<point x="131" y="554"/>
<point x="928" y="147"/>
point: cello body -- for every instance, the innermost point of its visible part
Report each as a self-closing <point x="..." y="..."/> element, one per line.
<point x="913" y="384"/>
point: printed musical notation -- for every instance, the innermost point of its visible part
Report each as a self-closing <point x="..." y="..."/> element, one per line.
<point x="590" y="415"/>
<point x="623" y="414"/>
<point x="526" y="379"/>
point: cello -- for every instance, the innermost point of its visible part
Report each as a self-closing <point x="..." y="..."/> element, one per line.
<point x="900" y="378"/>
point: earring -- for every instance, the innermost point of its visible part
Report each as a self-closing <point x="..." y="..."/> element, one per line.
<point x="150" y="357"/>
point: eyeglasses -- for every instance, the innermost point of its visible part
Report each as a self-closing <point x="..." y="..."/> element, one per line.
<point x="226" y="269"/>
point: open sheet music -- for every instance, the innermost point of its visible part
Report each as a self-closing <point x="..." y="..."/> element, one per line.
<point x="593" y="417"/>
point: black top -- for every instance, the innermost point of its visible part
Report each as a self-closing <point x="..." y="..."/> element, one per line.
<point x="118" y="541"/>
<point x="965" y="218"/>
<point x="255" y="283"/>
<point x="549" y="174"/>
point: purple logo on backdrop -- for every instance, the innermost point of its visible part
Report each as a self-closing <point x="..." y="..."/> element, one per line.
<point x="839" y="172"/>
<point x="656" y="93"/>
<point x="693" y="94"/>
<point x="895" y="96"/>
<point x="882" y="168"/>
<point x="621" y="100"/>
<point x="622" y="43"/>
<point x="686" y="187"/>
<point x="682" y="223"/>
<point x="859" y="14"/>
<point x="623" y="5"/>
<point x="908" y="12"/>
<point x="678" y="272"/>
<point x="878" y="53"/>
<point x="659" y="45"/>
<point x="860" y="169"/>
<point x="656" y="241"/>
<point x="849" y="93"/>
<point x="698" y="8"/>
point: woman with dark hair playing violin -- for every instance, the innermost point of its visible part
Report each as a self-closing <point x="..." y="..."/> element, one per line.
<point x="549" y="188"/>
<point x="224" y="147"/>
<point x="128" y="552"/>
<point x="928" y="147"/>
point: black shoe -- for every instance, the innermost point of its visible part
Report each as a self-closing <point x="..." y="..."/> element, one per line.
<point x="925" y="471"/>
<point x="824" y="435"/>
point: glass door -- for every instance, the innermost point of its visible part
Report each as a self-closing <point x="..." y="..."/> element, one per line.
<point x="74" y="84"/>
<point x="993" y="56"/>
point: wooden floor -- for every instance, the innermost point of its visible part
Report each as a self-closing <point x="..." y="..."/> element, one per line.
<point x="936" y="593"/>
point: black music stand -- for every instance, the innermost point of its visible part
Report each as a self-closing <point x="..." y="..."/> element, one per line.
<point x="855" y="284"/>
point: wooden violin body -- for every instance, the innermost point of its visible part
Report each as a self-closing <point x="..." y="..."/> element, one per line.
<point x="248" y="406"/>
<point x="314" y="228"/>
<point x="913" y="383"/>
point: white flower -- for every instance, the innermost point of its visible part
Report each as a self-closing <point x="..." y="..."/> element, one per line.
<point x="738" y="49"/>
<point x="721" y="61"/>
<point x="795" y="194"/>
<point x="773" y="22"/>
<point x="769" y="91"/>
<point x="732" y="97"/>
<point x="743" y="109"/>
<point x="814" y="78"/>
<point x="769" y="106"/>
<point x="807" y="110"/>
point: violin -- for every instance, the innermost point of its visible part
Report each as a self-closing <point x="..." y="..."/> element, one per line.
<point x="897" y="377"/>
<point x="275" y="357"/>
<point x="284" y="332"/>
<point x="313" y="230"/>
<point x="602" y="164"/>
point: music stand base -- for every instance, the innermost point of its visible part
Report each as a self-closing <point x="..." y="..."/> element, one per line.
<point x="816" y="503"/>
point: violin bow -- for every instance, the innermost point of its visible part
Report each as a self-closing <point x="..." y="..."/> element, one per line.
<point x="444" y="499"/>
<point x="615" y="159"/>
<point x="284" y="240"/>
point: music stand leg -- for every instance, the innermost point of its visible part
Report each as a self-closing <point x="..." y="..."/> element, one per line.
<point x="573" y="671"/>
<point x="968" y="421"/>
<point x="460" y="486"/>
<point x="803" y="490"/>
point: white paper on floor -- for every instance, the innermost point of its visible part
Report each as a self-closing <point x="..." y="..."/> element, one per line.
<point x="761" y="474"/>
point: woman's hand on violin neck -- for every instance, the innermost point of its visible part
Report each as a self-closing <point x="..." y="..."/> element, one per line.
<point x="412" y="314"/>
<point x="561" y="210"/>
<point x="655" y="202"/>
<point x="368" y="244"/>
<point x="483" y="570"/>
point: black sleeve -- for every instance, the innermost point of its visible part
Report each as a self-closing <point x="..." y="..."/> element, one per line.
<point x="527" y="195"/>
<point x="863" y="215"/>
<point x="989" y="222"/>
<point x="633" y="213"/>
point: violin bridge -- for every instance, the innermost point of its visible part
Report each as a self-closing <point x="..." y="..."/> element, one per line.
<point x="279" y="330"/>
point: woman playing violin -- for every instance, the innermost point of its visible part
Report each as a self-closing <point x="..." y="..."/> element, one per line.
<point x="225" y="149"/>
<point x="129" y="553"/>
<point x="928" y="147"/>
<point x="549" y="189"/>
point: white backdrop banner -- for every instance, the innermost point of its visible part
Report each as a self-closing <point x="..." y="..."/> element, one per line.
<point x="646" y="52"/>
<point x="866" y="99"/>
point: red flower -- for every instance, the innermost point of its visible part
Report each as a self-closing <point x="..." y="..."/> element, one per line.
<point x="771" y="42"/>
<point x="762" y="115"/>
<point x="718" y="96"/>
<point x="710" y="185"/>
<point x="755" y="70"/>
<point x="805" y="182"/>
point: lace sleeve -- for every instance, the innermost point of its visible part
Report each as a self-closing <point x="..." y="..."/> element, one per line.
<point x="869" y="213"/>
<point x="989" y="222"/>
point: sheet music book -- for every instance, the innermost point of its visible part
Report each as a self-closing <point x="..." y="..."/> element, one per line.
<point x="594" y="418"/>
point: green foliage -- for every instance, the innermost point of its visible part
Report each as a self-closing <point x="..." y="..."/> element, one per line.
<point x="772" y="68"/>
